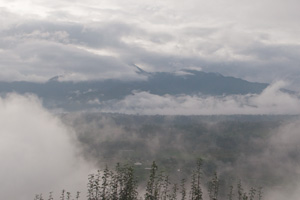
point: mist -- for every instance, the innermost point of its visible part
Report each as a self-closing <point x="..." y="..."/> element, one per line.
<point x="39" y="154"/>
<point x="281" y="158"/>
<point x="89" y="49"/>
<point x="43" y="152"/>
<point x="272" y="101"/>
<point x="263" y="150"/>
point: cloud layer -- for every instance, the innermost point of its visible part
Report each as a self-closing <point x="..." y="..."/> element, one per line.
<point x="38" y="153"/>
<point x="257" y="40"/>
<point x="271" y="101"/>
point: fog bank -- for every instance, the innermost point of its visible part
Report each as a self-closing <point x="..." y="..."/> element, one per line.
<point x="272" y="101"/>
<point x="38" y="153"/>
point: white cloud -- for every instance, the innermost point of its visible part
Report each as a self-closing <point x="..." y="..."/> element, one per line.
<point x="279" y="158"/>
<point x="38" y="153"/>
<point x="257" y="40"/>
<point x="271" y="101"/>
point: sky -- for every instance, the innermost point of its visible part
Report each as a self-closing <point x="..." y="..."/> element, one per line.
<point x="99" y="39"/>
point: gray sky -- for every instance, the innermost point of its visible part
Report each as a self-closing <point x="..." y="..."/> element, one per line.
<point x="256" y="40"/>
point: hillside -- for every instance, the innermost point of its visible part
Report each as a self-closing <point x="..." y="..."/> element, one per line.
<point x="76" y="95"/>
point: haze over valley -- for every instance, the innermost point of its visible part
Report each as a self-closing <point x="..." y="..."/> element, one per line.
<point x="89" y="84"/>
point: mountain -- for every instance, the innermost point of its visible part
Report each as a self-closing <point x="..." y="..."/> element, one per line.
<point x="73" y="95"/>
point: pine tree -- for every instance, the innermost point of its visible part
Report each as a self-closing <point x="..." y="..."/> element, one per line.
<point x="129" y="191"/>
<point x="260" y="193"/>
<point x="62" y="197"/>
<point x="214" y="187"/>
<point x="150" y="185"/>
<point x="252" y="193"/>
<point x="230" y="195"/>
<point x="165" y="187"/>
<point x="104" y="187"/>
<point x="77" y="195"/>
<point x="183" y="190"/>
<point x="173" y="196"/>
<point x="90" y="187"/>
<point x="196" y="191"/>
<point x="240" y="190"/>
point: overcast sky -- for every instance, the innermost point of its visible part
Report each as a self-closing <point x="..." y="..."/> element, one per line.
<point x="257" y="40"/>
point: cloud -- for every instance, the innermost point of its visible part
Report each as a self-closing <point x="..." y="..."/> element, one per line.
<point x="257" y="41"/>
<point x="38" y="153"/>
<point x="271" y="101"/>
<point x="36" y="60"/>
<point x="279" y="160"/>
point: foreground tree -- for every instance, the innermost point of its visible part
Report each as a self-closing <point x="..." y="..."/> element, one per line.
<point x="121" y="184"/>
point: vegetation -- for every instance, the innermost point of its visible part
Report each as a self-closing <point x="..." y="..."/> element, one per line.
<point x="121" y="184"/>
<point x="175" y="142"/>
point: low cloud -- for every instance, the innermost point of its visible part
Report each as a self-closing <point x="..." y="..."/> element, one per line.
<point x="38" y="153"/>
<point x="279" y="161"/>
<point x="271" y="101"/>
<point x="260" y="150"/>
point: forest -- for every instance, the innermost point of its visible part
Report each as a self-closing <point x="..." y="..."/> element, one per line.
<point x="181" y="157"/>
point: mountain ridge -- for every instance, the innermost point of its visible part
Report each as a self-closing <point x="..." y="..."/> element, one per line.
<point x="60" y="94"/>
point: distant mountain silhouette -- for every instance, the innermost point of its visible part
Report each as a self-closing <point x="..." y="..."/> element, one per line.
<point x="71" y="95"/>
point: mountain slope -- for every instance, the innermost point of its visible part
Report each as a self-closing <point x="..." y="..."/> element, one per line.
<point x="189" y="82"/>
